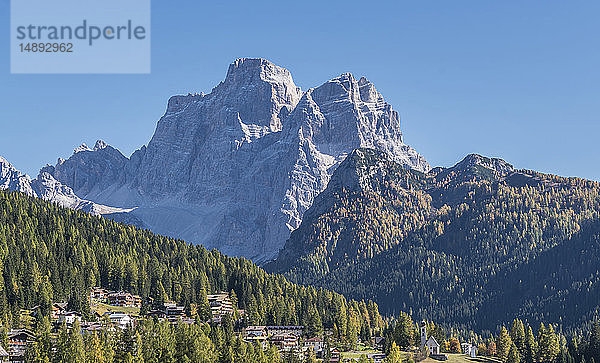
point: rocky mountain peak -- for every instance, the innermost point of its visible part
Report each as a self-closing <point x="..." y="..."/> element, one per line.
<point x="498" y="165"/>
<point x="354" y="172"/>
<point x="249" y="70"/>
<point x="237" y="168"/>
<point x="81" y="148"/>
<point x="13" y="179"/>
<point x="4" y="163"/>
<point x="255" y="93"/>
<point x="345" y="113"/>
<point x="100" y="144"/>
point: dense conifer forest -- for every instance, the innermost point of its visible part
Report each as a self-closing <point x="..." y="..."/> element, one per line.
<point x="52" y="254"/>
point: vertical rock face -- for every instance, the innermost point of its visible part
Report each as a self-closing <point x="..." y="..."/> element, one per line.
<point x="196" y="140"/>
<point x="237" y="168"/>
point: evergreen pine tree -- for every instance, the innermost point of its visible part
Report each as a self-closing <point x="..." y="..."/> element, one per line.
<point x="513" y="354"/>
<point x="531" y="347"/>
<point x="94" y="350"/>
<point x="41" y="349"/>
<point x="553" y="343"/>
<point x="63" y="345"/>
<point x="503" y="343"/>
<point x="394" y="356"/>
<point x="517" y="334"/>
<point x="76" y="350"/>
<point x="402" y="333"/>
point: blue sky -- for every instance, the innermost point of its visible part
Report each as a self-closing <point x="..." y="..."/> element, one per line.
<point x="511" y="79"/>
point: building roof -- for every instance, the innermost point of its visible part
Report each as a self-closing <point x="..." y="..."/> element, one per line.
<point x="118" y="315"/>
<point x="256" y="327"/>
<point x="62" y="305"/>
<point x="432" y="342"/>
<point x="70" y="313"/>
<point x="17" y="332"/>
<point x="119" y="294"/>
<point x="314" y="339"/>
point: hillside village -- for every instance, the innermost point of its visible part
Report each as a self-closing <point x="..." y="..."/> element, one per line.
<point x="121" y="310"/>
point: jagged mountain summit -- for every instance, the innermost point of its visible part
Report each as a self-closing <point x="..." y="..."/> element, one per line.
<point x="235" y="169"/>
<point x="45" y="186"/>
<point x="13" y="179"/>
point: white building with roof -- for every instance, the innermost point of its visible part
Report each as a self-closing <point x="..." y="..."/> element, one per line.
<point x="121" y="320"/>
<point x="430" y="343"/>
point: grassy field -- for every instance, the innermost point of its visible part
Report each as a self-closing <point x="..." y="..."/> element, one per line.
<point x="356" y="354"/>
<point x="462" y="358"/>
<point x="102" y="308"/>
<point x="452" y="358"/>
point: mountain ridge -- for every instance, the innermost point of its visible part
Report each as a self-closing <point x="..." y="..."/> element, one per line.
<point x="46" y="187"/>
<point x="453" y="243"/>
<point x="237" y="168"/>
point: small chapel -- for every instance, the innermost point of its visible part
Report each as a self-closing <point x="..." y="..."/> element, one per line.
<point x="432" y="345"/>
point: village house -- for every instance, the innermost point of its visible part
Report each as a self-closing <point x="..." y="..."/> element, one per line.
<point x="99" y="294"/>
<point x="124" y="299"/>
<point x="255" y="331"/>
<point x="57" y="309"/>
<point x="172" y="309"/>
<point x="220" y="304"/>
<point x="284" y="342"/>
<point x="92" y="327"/>
<point x="18" y="341"/>
<point x="121" y="320"/>
<point x="173" y="312"/>
<point x="469" y="349"/>
<point x="157" y="313"/>
<point x="432" y="346"/>
<point x="69" y="317"/>
<point x="296" y="330"/>
<point x="315" y="344"/>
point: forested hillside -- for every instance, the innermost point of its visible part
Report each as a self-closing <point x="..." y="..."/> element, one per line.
<point x="52" y="254"/>
<point x="475" y="244"/>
